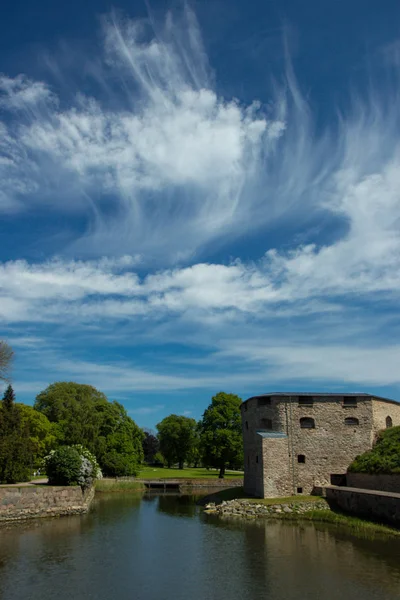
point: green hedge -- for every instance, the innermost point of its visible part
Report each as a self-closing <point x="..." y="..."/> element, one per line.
<point x="384" y="456"/>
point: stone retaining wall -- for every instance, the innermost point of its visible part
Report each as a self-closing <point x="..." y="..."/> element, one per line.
<point x="27" y="502"/>
<point x="384" y="483"/>
<point x="379" y="506"/>
<point x="244" y="508"/>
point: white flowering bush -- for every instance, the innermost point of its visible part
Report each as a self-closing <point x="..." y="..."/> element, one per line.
<point x="72" y="465"/>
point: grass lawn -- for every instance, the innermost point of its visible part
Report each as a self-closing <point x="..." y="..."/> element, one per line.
<point x="238" y="493"/>
<point x="164" y="473"/>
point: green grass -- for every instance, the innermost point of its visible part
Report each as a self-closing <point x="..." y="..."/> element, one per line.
<point x="238" y="493"/>
<point x="288" y="500"/>
<point x="115" y="485"/>
<point x="174" y="473"/>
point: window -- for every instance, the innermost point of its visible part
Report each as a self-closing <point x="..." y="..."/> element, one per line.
<point x="351" y="421"/>
<point x="389" y="422"/>
<point x="307" y="423"/>
<point x="248" y="461"/>
<point x="305" y="401"/>
<point x="266" y="423"/>
<point x="349" y="401"/>
<point x="299" y="490"/>
<point x="264" y="401"/>
<point x="247" y="425"/>
<point x="257" y="458"/>
<point x="301" y="458"/>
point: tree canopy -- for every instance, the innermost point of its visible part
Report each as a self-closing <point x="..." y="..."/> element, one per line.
<point x="177" y="435"/>
<point x="83" y="415"/>
<point x="221" y="433"/>
<point x="42" y="433"/>
<point x="151" y="446"/>
<point x="15" y="449"/>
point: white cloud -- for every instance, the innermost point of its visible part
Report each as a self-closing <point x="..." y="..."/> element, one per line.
<point x="170" y="167"/>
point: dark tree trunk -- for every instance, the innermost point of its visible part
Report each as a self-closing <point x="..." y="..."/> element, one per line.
<point x="221" y="472"/>
<point x="181" y="464"/>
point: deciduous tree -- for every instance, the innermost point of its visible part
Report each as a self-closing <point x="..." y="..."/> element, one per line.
<point x="83" y="415"/>
<point x="177" y="436"/>
<point x="221" y="432"/>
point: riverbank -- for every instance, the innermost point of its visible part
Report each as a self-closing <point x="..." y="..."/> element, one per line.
<point x="295" y="508"/>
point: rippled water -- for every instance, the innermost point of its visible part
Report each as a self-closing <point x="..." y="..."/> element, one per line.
<point x="164" y="547"/>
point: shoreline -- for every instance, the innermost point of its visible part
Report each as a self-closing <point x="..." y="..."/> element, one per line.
<point x="297" y="511"/>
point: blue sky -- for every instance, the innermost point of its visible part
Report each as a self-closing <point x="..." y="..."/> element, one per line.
<point x="200" y="197"/>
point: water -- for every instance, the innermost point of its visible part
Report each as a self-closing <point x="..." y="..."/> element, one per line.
<point x="163" y="547"/>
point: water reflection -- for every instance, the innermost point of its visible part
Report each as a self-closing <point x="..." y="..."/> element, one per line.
<point x="151" y="547"/>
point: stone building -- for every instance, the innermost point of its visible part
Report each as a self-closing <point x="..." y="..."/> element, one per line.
<point x="294" y="442"/>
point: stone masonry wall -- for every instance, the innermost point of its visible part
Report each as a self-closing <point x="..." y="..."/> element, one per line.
<point x="277" y="471"/>
<point x="379" y="506"/>
<point x="253" y="467"/>
<point x="326" y="449"/>
<point x="26" y="502"/>
<point x="381" y="411"/>
<point x="330" y="446"/>
<point x="385" y="483"/>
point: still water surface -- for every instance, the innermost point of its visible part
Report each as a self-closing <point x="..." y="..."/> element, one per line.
<point x="163" y="547"/>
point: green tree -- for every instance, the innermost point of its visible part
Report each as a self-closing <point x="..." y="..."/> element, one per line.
<point x="151" y="446"/>
<point x="177" y="436"/>
<point x="42" y="433"/>
<point x="15" y="450"/>
<point x="83" y="415"/>
<point x="221" y="433"/>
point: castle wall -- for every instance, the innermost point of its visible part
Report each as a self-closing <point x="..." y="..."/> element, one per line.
<point x="307" y="457"/>
<point x="381" y="410"/>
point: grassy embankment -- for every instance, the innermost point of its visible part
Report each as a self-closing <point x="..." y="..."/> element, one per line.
<point x="121" y="485"/>
<point x="333" y="517"/>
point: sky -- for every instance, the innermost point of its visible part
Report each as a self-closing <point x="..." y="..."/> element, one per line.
<point x="200" y="197"/>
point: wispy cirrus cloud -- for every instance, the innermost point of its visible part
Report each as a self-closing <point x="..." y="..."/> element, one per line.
<point x="170" y="167"/>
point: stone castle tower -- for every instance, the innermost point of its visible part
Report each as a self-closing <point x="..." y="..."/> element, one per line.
<point x="294" y="442"/>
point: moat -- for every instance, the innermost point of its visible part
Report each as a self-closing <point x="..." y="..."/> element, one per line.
<point x="164" y="547"/>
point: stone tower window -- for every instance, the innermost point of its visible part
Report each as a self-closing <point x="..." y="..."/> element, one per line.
<point x="266" y="423"/>
<point x="389" y="422"/>
<point x="264" y="401"/>
<point x="307" y="423"/>
<point x="349" y="401"/>
<point x="351" y="421"/>
<point x="247" y="425"/>
<point x="305" y="400"/>
<point x="257" y="458"/>
<point x="301" y="458"/>
<point x="299" y="490"/>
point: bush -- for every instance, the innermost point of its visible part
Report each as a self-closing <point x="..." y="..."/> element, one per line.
<point x="384" y="456"/>
<point x="72" y="465"/>
<point x="120" y="465"/>
<point x="63" y="466"/>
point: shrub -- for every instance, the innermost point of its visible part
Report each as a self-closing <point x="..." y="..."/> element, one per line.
<point x="120" y="465"/>
<point x="384" y="456"/>
<point x="63" y="466"/>
<point x="72" y="465"/>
